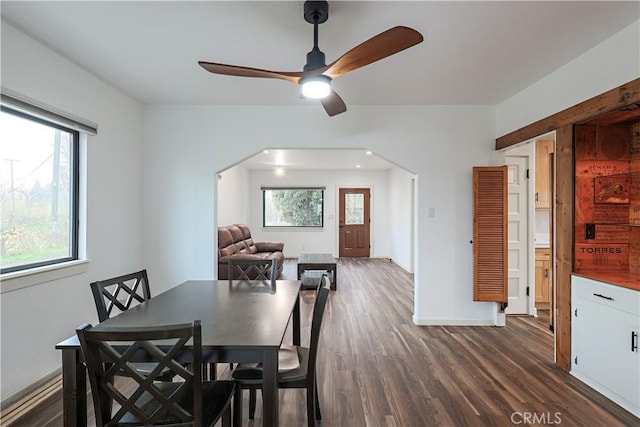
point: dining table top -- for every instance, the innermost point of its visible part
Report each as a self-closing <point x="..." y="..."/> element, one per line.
<point x="233" y="314"/>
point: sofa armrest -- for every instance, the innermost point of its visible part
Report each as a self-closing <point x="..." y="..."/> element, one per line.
<point x="269" y="246"/>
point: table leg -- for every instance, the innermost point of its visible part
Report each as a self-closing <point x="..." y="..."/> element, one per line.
<point x="74" y="389"/>
<point x="296" y="322"/>
<point x="270" y="387"/>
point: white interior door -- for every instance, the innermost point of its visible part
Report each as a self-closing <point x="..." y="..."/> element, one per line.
<point x="517" y="235"/>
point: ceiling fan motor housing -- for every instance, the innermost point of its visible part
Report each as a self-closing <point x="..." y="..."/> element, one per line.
<point x="315" y="60"/>
<point x="316" y="10"/>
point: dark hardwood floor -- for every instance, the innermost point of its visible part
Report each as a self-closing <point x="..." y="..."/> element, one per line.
<point x="376" y="368"/>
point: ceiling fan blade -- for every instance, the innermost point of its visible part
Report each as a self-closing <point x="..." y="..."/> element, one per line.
<point x="376" y="48"/>
<point x="236" y="70"/>
<point x="333" y="104"/>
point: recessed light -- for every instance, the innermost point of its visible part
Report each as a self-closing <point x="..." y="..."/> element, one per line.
<point x="279" y="171"/>
<point x="265" y="151"/>
<point x="358" y="166"/>
<point x="368" y="153"/>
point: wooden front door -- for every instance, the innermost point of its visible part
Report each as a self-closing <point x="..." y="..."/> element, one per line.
<point x="354" y="222"/>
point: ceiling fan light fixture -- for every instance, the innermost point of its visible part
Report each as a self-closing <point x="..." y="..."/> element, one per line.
<point x="316" y="87"/>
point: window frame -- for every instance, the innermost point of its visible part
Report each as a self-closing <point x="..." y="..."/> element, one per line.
<point x="74" y="194"/>
<point x="313" y="188"/>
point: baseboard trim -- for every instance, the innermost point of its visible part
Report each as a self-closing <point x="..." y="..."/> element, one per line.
<point x="20" y="403"/>
<point x="453" y="322"/>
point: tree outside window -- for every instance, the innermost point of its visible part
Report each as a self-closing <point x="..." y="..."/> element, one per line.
<point x="293" y="207"/>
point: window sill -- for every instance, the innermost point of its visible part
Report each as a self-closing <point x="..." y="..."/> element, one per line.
<point x="10" y="282"/>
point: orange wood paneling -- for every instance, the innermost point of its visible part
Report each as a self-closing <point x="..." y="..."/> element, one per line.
<point x="634" y="252"/>
<point x="602" y="257"/>
<point x="603" y="188"/>
<point x="634" y="150"/>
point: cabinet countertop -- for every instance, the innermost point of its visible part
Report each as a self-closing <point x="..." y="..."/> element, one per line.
<point x="624" y="279"/>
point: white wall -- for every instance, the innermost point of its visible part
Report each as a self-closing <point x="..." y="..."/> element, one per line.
<point x="324" y="240"/>
<point x="401" y="218"/>
<point x="34" y="319"/>
<point x="614" y="62"/>
<point x="186" y="145"/>
<point x="233" y="196"/>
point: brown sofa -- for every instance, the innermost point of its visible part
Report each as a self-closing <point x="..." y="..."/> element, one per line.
<point x="236" y="241"/>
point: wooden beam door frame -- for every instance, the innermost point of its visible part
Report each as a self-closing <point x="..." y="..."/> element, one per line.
<point x="562" y="123"/>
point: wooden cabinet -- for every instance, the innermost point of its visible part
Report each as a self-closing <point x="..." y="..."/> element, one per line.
<point x="604" y="340"/>
<point x="543" y="173"/>
<point x="543" y="278"/>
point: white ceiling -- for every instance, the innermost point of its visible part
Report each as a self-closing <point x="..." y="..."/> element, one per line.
<point x="303" y="159"/>
<point x="474" y="53"/>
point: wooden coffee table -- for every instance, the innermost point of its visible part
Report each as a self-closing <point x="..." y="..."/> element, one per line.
<point x="318" y="262"/>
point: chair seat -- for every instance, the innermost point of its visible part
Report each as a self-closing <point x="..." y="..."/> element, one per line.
<point x="251" y="373"/>
<point x="215" y="396"/>
<point x="288" y="358"/>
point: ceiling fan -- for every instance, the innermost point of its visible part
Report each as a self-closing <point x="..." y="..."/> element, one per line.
<point x="316" y="76"/>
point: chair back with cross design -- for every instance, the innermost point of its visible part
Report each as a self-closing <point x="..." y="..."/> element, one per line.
<point x="178" y="348"/>
<point x="118" y="294"/>
<point x="252" y="269"/>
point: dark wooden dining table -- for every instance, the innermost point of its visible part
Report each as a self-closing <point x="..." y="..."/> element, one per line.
<point x="242" y="321"/>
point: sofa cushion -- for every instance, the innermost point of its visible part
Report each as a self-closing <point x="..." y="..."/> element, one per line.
<point x="226" y="245"/>
<point x="245" y="231"/>
<point x="269" y="246"/>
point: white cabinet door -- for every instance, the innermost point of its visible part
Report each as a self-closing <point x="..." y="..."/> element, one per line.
<point x="604" y="353"/>
<point x="604" y="319"/>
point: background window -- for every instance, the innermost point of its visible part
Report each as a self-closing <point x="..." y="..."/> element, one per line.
<point x="38" y="192"/>
<point x="292" y="207"/>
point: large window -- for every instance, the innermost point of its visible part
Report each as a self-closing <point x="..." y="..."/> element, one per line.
<point x="292" y="207"/>
<point x="38" y="191"/>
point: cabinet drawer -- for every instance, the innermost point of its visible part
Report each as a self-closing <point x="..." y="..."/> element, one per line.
<point x="614" y="297"/>
<point x="543" y="254"/>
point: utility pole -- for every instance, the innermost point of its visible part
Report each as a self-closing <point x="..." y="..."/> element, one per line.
<point x="13" y="193"/>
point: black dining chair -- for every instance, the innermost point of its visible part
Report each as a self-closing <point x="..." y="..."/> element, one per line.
<point x="303" y="375"/>
<point x="187" y="402"/>
<point x="118" y="294"/>
<point x="252" y="269"/>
